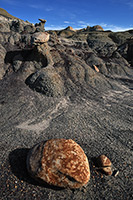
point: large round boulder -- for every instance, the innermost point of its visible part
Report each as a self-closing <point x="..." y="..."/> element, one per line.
<point x="47" y="81"/>
<point x="59" y="162"/>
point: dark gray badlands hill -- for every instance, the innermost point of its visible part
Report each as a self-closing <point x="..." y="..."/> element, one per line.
<point x="76" y="84"/>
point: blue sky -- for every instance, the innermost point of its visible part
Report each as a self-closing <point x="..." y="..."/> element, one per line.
<point x="115" y="15"/>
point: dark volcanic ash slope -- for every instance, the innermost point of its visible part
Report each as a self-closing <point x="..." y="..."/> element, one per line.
<point x="78" y="86"/>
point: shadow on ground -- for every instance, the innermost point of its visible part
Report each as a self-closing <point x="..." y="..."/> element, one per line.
<point x="17" y="160"/>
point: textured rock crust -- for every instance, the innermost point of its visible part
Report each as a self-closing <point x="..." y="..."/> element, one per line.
<point x="59" y="162"/>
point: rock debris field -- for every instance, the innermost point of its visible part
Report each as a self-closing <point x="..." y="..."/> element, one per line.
<point x="70" y="84"/>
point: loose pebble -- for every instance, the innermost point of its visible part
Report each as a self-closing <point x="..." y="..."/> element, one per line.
<point x="104" y="164"/>
<point x="116" y="172"/>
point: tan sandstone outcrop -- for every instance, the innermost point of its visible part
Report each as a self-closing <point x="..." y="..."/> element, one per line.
<point x="70" y="28"/>
<point x="97" y="28"/>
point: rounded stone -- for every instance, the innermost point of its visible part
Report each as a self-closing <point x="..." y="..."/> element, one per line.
<point x="103" y="161"/>
<point x="59" y="162"/>
<point x="40" y="37"/>
<point x="104" y="164"/>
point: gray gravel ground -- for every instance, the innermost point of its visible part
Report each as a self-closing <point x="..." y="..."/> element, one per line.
<point x="101" y="122"/>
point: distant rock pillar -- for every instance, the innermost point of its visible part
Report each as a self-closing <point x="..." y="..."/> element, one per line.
<point x="42" y="23"/>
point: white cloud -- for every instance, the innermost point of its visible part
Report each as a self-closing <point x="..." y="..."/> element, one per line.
<point x="54" y="27"/>
<point x="130" y="4"/>
<point x="49" y="9"/>
<point x="69" y="23"/>
<point x="72" y="16"/>
<point x="13" y="2"/>
<point x="81" y="22"/>
<point x="42" y="7"/>
<point x="36" y="6"/>
<point x="84" y="24"/>
<point x="66" y="22"/>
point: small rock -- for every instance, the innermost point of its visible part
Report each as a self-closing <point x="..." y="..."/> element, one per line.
<point x="96" y="68"/>
<point x="103" y="161"/>
<point x="115" y="173"/>
<point x="59" y="162"/>
<point x="40" y="38"/>
<point x="104" y="164"/>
